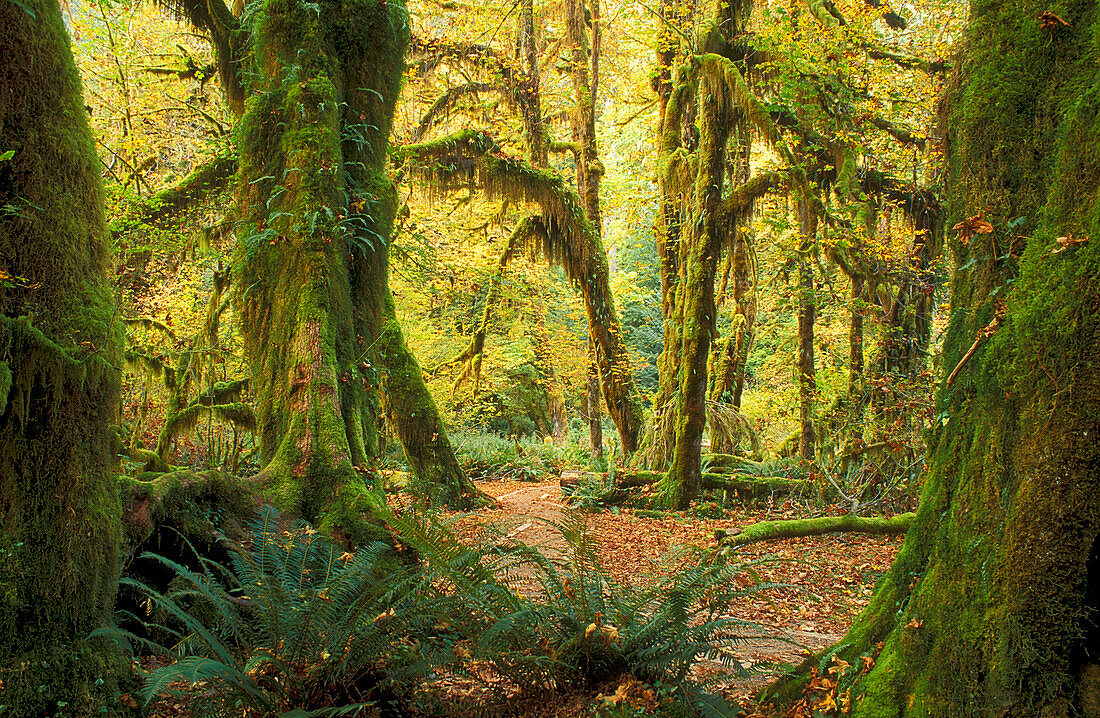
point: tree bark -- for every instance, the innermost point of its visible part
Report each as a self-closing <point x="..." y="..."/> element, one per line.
<point x="317" y="213"/>
<point x="990" y="607"/>
<point x="684" y="478"/>
<point x="60" y="342"/>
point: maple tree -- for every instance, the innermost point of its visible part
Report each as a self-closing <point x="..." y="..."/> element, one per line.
<point x="60" y="340"/>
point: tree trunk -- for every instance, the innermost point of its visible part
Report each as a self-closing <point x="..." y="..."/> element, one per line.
<point x="60" y="341"/>
<point x="744" y="293"/>
<point x="544" y="360"/>
<point x="411" y="410"/>
<point x="312" y="196"/>
<point x="991" y="606"/>
<point x="592" y="404"/>
<point x="684" y="479"/>
<point x="807" y="312"/>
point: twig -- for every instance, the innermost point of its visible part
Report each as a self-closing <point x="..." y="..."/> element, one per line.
<point x="985" y="333"/>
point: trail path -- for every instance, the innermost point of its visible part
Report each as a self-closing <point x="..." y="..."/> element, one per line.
<point x="628" y="543"/>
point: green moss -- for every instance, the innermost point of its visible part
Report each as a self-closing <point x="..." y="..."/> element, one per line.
<point x="60" y="529"/>
<point x="201" y="505"/>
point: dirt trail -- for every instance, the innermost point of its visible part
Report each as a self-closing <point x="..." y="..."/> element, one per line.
<point x="525" y="513"/>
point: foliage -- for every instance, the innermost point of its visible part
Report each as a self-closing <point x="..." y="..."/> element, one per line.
<point x="297" y="624"/>
<point x="486" y="455"/>
<point x="596" y="627"/>
<point x="294" y="623"/>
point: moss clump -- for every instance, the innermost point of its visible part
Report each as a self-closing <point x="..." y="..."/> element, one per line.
<point x="199" y="504"/>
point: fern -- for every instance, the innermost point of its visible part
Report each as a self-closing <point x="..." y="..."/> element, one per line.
<point x="296" y="623"/>
<point x="296" y="626"/>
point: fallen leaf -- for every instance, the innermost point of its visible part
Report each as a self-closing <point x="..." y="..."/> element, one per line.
<point x="973" y="225"/>
<point x="1049" y="21"/>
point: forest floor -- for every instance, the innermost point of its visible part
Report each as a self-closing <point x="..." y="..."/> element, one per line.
<point x="823" y="581"/>
<point x="826" y="580"/>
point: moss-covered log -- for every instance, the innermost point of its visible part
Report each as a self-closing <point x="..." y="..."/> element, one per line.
<point x="990" y="608"/>
<point x="799" y="528"/>
<point x="60" y="342"/>
<point x="743" y="486"/>
<point x="188" y="501"/>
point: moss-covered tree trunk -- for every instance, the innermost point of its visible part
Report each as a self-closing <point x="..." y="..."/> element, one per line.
<point x="316" y="213"/>
<point x="592" y="408"/>
<point x="413" y="413"/>
<point x="544" y="360"/>
<point x="684" y="478"/>
<point x="60" y="520"/>
<point x="730" y="356"/>
<point x="807" y="313"/>
<point x="991" y="606"/>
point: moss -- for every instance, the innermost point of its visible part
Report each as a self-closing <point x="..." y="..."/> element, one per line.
<point x="200" y="505"/>
<point x="796" y="528"/>
<point x="985" y="610"/>
<point x="59" y="516"/>
<point x="5" y="385"/>
<point x="415" y="416"/>
<point x="206" y="180"/>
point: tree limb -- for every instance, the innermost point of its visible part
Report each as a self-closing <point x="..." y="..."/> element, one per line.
<point x="203" y="181"/>
<point x="899" y="133"/>
<point x="444" y="103"/>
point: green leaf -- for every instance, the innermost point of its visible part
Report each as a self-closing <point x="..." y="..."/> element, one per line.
<point x="27" y="9"/>
<point x="10" y="153"/>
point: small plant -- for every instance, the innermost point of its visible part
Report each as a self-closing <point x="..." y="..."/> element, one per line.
<point x="597" y="627"/>
<point x="296" y="624"/>
<point x="591" y="492"/>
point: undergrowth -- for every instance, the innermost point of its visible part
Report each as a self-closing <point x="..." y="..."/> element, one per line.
<point x="489" y="456"/>
<point x="295" y="626"/>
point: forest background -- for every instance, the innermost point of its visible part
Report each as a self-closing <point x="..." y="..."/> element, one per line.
<point x="159" y="114"/>
<point x="797" y="172"/>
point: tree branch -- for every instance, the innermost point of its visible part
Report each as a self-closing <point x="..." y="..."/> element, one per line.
<point x="207" y="179"/>
<point x="444" y="103"/>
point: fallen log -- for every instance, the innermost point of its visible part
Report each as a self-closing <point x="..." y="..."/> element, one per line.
<point x="798" y="528"/>
<point x="745" y="486"/>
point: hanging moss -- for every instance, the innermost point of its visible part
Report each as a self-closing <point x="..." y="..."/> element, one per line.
<point x="564" y="236"/>
<point x="205" y="181"/>
<point x="60" y="348"/>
